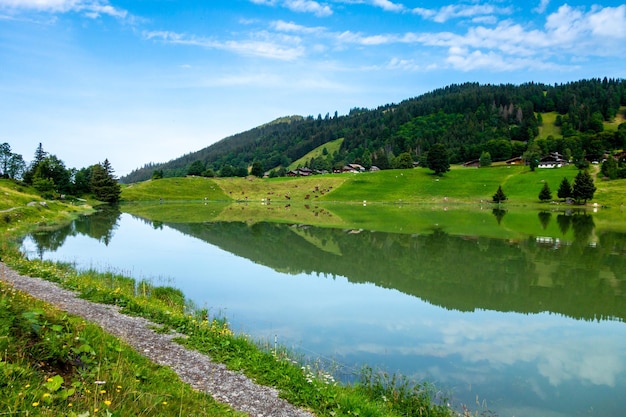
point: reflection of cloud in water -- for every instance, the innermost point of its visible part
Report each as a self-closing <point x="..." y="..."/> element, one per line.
<point x="560" y="351"/>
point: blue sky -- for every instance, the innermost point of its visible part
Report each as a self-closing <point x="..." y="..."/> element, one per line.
<point x="147" y="81"/>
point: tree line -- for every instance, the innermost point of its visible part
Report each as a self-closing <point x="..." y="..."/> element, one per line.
<point x="52" y="179"/>
<point x="468" y="119"/>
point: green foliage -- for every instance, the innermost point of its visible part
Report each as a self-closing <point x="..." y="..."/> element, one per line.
<point x="469" y="118"/>
<point x="485" y="159"/>
<point x="54" y="364"/>
<point x="438" y="159"/>
<point x="195" y="168"/>
<point x="257" y="169"/>
<point x="545" y="194"/>
<point x="532" y="155"/>
<point x="565" y="189"/>
<point x="499" y="196"/>
<point x="103" y="183"/>
<point x="583" y="188"/>
<point x="402" y="161"/>
<point x="610" y="168"/>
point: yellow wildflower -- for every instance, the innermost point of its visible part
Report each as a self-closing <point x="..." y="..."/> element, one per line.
<point x="107" y="402"/>
<point x="35" y="404"/>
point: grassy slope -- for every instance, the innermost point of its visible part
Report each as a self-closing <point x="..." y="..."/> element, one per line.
<point x="419" y="186"/>
<point x="331" y="147"/>
<point x="189" y="188"/>
<point x="549" y="129"/>
<point x="16" y="214"/>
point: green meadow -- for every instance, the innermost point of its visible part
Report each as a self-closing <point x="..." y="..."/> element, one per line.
<point x="409" y="186"/>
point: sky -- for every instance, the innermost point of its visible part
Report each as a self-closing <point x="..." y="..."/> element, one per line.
<point x="146" y="81"/>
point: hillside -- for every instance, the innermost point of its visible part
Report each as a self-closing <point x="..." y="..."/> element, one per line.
<point x="469" y="119"/>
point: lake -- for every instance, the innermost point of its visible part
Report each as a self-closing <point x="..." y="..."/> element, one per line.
<point x="530" y="325"/>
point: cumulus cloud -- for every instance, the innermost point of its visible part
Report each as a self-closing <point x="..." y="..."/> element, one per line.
<point x="92" y="9"/>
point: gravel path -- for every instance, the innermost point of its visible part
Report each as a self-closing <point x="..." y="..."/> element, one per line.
<point x="193" y="368"/>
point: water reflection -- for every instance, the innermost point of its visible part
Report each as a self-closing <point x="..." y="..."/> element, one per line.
<point x="461" y="273"/>
<point x="100" y="226"/>
<point x="534" y="325"/>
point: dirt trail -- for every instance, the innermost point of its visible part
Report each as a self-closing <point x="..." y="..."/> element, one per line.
<point x="193" y="368"/>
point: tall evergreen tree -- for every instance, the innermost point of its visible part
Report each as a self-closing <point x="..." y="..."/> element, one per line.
<point x="104" y="184"/>
<point x="499" y="196"/>
<point x="565" y="189"/>
<point x="583" y="188"/>
<point x="545" y="194"/>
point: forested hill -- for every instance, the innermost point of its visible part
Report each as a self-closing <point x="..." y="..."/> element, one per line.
<point x="469" y="119"/>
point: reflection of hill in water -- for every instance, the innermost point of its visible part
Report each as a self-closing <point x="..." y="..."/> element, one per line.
<point x="454" y="272"/>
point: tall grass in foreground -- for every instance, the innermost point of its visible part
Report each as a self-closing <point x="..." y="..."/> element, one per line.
<point x="301" y="385"/>
<point x="54" y="364"/>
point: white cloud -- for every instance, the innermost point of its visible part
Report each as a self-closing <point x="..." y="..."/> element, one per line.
<point x="299" y="6"/>
<point x="456" y="11"/>
<point x="282" y="26"/>
<point x="265" y="45"/>
<point x="543" y="5"/>
<point x="308" y="6"/>
<point x="92" y="9"/>
<point x="388" y="5"/>
<point x="609" y="22"/>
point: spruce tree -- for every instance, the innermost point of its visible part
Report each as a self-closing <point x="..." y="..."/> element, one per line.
<point x="565" y="189"/>
<point x="545" y="194"/>
<point x="103" y="184"/>
<point x="499" y="196"/>
<point x="583" y="188"/>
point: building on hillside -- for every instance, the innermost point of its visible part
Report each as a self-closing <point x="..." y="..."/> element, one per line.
<point x="515" y="161"/>
<point x="475" y="163"/>
<point x="554" y="160"/>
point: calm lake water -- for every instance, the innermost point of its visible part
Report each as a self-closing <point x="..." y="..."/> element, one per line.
<point x="532" y="326"/>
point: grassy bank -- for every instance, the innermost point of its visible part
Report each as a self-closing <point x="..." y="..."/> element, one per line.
<point x="410" y="186"/>
<point x="56" y="364"/>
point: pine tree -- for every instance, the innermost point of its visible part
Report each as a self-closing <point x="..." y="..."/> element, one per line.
<point x="583" y="188"/>
<point x="499" y="196"/>
<point x="103" y="184"/>
<point x="565" y="189"/>
<point x="545" y="194"/>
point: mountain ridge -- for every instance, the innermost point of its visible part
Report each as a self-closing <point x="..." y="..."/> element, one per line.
<point x="468" y="118"/>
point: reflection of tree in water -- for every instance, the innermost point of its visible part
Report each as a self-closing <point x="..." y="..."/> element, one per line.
<point x="565" y="222"/>
<point x="100" y="226"/>
<point x="499" y="214"/>
<point x="583" y="226"/>
<point x="456" y="272"/>
<point x="544" y="218"/>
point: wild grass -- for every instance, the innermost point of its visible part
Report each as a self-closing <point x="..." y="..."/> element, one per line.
<point x="55" y="364"/>
<point x="548" y="128"/>
<point x="331" y="147"/>
<point x="188" y="188"/>
<point x="300" y="384"/>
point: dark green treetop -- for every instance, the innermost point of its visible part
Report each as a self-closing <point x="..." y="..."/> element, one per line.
<point x="104" y="185"/>
<point x="545" y="194"/>
<point x="438" y="159"/>
<point x="565" y="189"/>
<point x="583" y="188"/>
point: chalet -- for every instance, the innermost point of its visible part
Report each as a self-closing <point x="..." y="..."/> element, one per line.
<point x="554" y="160"/>
<point x="515" y="161"/>
<point x="357" y="167"/>
<point x="472" y="164"/>
<point x="300" y="172"/>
